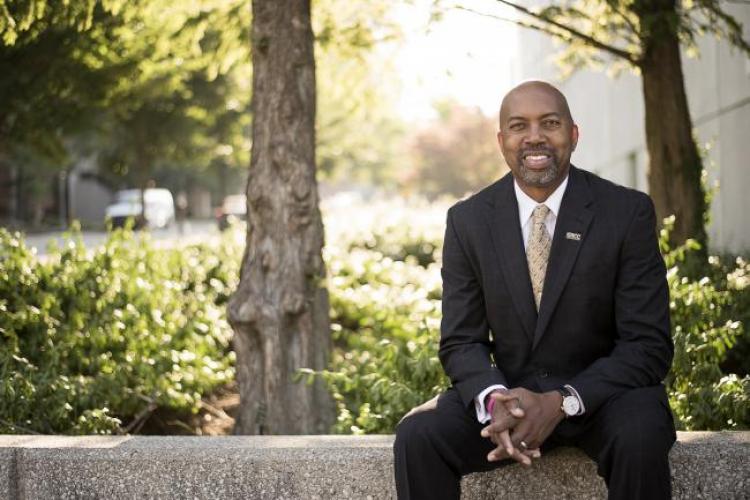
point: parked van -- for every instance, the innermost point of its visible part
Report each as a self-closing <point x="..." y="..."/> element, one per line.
<point x="159" y="211"/>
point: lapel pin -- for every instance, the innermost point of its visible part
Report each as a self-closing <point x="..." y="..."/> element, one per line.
<point x="573" y="236"/>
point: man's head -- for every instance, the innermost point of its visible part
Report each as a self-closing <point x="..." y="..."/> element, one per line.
<point x="537" y="136"/>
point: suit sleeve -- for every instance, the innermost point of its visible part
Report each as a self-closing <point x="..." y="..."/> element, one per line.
<point x="643" y="345"/>
<point x="465" y="346"/>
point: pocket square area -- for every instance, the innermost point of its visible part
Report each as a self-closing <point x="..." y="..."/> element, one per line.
<point x="573" y="236"/>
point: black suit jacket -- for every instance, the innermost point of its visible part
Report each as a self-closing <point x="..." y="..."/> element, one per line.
<point x="603" y="324"/>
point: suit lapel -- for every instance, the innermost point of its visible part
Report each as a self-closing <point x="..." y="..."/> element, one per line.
<point x="502" y="219"/>
<point x="570" y="233"/>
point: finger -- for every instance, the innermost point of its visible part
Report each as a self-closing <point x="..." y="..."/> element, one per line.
<point x="494" y="427"/>
<point x="507" y="443"/>
<point x="517" y="412"/>
<point x="514" y="408"/>
<point x="496" y="454"/>
<point x="494" y="432"/>
<point x="523" y="458"/>
<point x="535" y="453"/>
<point x="493" y="436"/>
<point x="520" y="457"/>
<point x="523" y="442"/>
<point x="488" y="431"/>
<point x="520" y="444"/>
<point x="524" y="432"/>
<point x="503" y="396"/>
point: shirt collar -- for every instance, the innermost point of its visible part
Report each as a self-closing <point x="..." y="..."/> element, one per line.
<point x="526" y="204"/>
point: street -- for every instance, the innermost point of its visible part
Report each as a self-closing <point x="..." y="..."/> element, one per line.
<point x="193" y="231"/>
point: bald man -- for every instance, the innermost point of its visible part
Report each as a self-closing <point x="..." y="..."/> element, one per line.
<point x="555" y="327"/>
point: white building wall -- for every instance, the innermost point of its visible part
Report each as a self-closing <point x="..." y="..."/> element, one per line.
<point x="610" y="115"/>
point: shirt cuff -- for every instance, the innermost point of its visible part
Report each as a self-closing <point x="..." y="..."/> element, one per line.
<point x="482" y="414"/>
<point x="573" y="391"/>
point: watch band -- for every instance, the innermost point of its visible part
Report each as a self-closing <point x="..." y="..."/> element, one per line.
<point x="564" y="393"/>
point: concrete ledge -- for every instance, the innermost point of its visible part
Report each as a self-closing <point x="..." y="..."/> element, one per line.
<point x="704" y="465"/>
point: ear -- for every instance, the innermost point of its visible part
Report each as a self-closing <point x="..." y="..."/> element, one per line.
<point x="574" y="136"/>
<point x="500" y="139"/>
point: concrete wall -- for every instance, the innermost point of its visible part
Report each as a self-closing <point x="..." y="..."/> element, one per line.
<point x="704" y="465"/>
<point x="610" y="113"/>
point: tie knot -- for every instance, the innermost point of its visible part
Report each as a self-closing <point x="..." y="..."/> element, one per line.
<point x="540" y="213"/>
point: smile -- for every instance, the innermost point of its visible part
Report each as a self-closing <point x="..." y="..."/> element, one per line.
<point x="536" y="159"/>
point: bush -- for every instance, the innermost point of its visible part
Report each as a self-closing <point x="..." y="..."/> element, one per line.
<point x="704" y="329"/>
<point x="385" y="315"/>
<point x="92" y="342"/>
<point x="385" y="291"/>
<point x="95" y="341"/>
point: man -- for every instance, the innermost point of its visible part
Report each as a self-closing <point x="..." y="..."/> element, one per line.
<point x="555" y="326"/>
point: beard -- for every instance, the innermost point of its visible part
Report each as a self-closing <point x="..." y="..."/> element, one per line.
<point x="538" y="178"/>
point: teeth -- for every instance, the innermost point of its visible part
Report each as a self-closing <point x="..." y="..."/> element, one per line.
<point x="536" y="157"/>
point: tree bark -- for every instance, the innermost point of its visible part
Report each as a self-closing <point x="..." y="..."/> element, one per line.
<point x="280" y="311"/>
<point x="675" y="164"/>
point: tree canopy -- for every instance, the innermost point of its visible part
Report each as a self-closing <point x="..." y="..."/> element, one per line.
<point x="148" y="85"/>
<point x="646" y="36"/>
<point x="621" y="29"/>
<point x="166" y="81"/>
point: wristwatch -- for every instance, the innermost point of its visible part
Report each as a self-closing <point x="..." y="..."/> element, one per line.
<point x="570" y="404"/>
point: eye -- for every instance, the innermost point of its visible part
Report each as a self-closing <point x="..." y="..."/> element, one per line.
<point x="516" y="126"/>
<point x="551" y="123"/>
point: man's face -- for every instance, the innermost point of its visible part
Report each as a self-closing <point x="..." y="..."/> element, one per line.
<point x="537" y="137"/>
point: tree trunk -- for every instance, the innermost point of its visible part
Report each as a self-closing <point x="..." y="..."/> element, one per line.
<point x="675" y="165"/>
<point x="280" y="311"/>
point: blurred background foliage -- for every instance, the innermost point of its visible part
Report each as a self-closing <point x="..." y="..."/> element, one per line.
<point x="456" y="154"/>
<point x="96" y="344"/>
<point x="141" y="86"/>
<point x="161" y="90"/>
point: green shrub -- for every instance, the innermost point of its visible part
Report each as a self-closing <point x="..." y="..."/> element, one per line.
<point x="92" y="340"/>
<point x="385" y="315"/>
<point x="732" y="274"/>
<point x="385" y="318"/>
<point x="704" y="329"/>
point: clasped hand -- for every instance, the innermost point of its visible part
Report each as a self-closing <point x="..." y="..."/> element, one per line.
<point x="521" y="421"/>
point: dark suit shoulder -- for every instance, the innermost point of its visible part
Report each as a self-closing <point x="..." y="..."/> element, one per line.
<point x="605" y="190"/>
<point x="469" y="207"/>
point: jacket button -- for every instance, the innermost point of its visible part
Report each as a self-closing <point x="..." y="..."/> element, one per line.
<point x="543" y="374"/>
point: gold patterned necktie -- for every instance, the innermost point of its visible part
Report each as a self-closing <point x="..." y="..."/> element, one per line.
<point x="537" y="251"/>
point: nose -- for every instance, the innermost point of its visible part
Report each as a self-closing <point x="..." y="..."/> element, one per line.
<point x="535" y="135"/>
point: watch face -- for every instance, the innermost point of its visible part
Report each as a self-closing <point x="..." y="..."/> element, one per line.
<point x="571" y="406"/>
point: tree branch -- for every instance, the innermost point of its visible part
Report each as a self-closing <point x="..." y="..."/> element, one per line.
<point x="572" y="32"/>
<point x="523" y="24"/>
<point x="627" y="20"/>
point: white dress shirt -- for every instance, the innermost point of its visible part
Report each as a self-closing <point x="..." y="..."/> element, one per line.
<point x="526" y="206"/>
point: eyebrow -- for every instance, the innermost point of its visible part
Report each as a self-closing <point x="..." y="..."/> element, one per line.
<point x="545" y="115"/>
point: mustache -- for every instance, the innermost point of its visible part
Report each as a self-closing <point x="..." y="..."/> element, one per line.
<point x="534" y="151"/>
